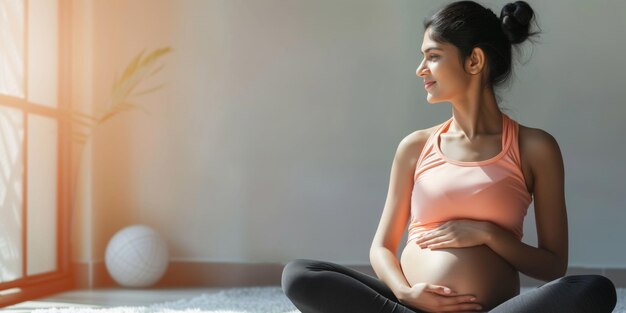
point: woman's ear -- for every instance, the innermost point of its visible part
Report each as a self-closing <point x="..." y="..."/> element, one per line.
<point x="476" y="62"/>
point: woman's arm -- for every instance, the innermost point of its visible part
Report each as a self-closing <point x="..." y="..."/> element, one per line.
<point x="395" y="214"/>
<point x="549" y="260"/>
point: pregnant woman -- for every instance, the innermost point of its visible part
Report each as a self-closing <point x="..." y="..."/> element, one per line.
<point x="464" y="186"/>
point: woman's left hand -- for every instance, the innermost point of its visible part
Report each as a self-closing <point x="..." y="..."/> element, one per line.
<point x="455" y="234"/>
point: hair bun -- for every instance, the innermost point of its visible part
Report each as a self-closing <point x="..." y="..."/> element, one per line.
<point x="515" y="18"/>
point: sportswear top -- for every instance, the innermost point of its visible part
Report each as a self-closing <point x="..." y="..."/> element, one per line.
<point x="491" y="190"/>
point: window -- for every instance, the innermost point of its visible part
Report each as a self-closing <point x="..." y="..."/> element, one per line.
<point x="34" y="149"/>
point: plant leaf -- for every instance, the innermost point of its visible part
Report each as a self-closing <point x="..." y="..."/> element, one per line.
<point x="131" y="68"/>
<point x="134" y="76"/>
<point x="124" y="87"/>
<point x="147" y="91"/>
<point x="152" y="57"/>
<point x="129" y="106"/>
<point x="157" y="70"/>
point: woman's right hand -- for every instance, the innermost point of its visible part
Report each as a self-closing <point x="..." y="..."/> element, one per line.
<point x="434" y="298"/>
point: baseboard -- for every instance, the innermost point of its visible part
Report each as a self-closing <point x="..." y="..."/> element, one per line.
<point x="190" y="274"/>
<point x="215" y="274"/>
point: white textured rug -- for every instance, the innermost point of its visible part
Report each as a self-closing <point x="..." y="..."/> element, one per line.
<point x="236" y="300"/>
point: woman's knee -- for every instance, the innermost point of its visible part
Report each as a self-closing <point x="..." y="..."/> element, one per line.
<point x="603" y="291"/>
<point x="599" y="290"/>
<point x="592" y="281"/>
<point x="603" y="286"/>
<point x="296" y="276"/>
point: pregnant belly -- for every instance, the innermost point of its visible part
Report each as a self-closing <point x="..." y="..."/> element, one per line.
<point x="474" y="270"/>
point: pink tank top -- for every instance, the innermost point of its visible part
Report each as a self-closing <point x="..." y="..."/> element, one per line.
<point x="491" y="190"/>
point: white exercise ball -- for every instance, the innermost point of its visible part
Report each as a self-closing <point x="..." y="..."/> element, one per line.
<point x="136" y="256"/>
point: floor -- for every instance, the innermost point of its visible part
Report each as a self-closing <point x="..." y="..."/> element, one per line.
<point x="108" y="297"/>
<point x="134" y="297"/>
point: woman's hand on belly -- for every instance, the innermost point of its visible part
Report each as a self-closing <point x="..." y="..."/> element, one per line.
<point x="436" y="298"/>
<point x="455" y="234"/>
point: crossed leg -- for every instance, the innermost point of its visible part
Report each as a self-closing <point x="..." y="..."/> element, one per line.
<point x="315" y="286"/>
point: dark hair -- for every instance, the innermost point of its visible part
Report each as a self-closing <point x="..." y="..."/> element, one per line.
<point x="467" y="24"/>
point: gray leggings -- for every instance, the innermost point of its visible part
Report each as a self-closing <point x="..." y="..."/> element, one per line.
<point x="324" y="287"/>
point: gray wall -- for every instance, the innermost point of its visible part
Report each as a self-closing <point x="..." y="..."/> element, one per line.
<point x="274" y="137"/>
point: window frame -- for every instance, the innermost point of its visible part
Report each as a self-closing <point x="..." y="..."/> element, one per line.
<point x="34" y="286"/>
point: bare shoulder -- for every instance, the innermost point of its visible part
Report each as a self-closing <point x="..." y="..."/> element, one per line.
<point x="411" y="146"/>
<point x="539" y="147"/>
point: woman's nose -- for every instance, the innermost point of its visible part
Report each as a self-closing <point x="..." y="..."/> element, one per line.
<point x="420" y="70"/>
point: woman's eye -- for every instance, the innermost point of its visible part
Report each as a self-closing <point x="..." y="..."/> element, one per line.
<point x="433" y="56"/>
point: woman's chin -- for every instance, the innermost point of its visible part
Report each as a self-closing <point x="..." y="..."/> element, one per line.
<point x="432" y="99"/>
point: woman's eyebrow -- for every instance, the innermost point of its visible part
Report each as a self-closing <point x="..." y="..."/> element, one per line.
<point x="431" y="48"/>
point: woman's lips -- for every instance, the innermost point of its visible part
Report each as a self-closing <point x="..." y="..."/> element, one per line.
<point x="427" y="85"/>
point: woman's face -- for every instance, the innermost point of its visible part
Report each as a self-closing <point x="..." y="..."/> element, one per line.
<point x="441" y="65"/>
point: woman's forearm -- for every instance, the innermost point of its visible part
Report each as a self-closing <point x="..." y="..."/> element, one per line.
<point x="532" y="261"/>
<point x="388" y="269"/>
